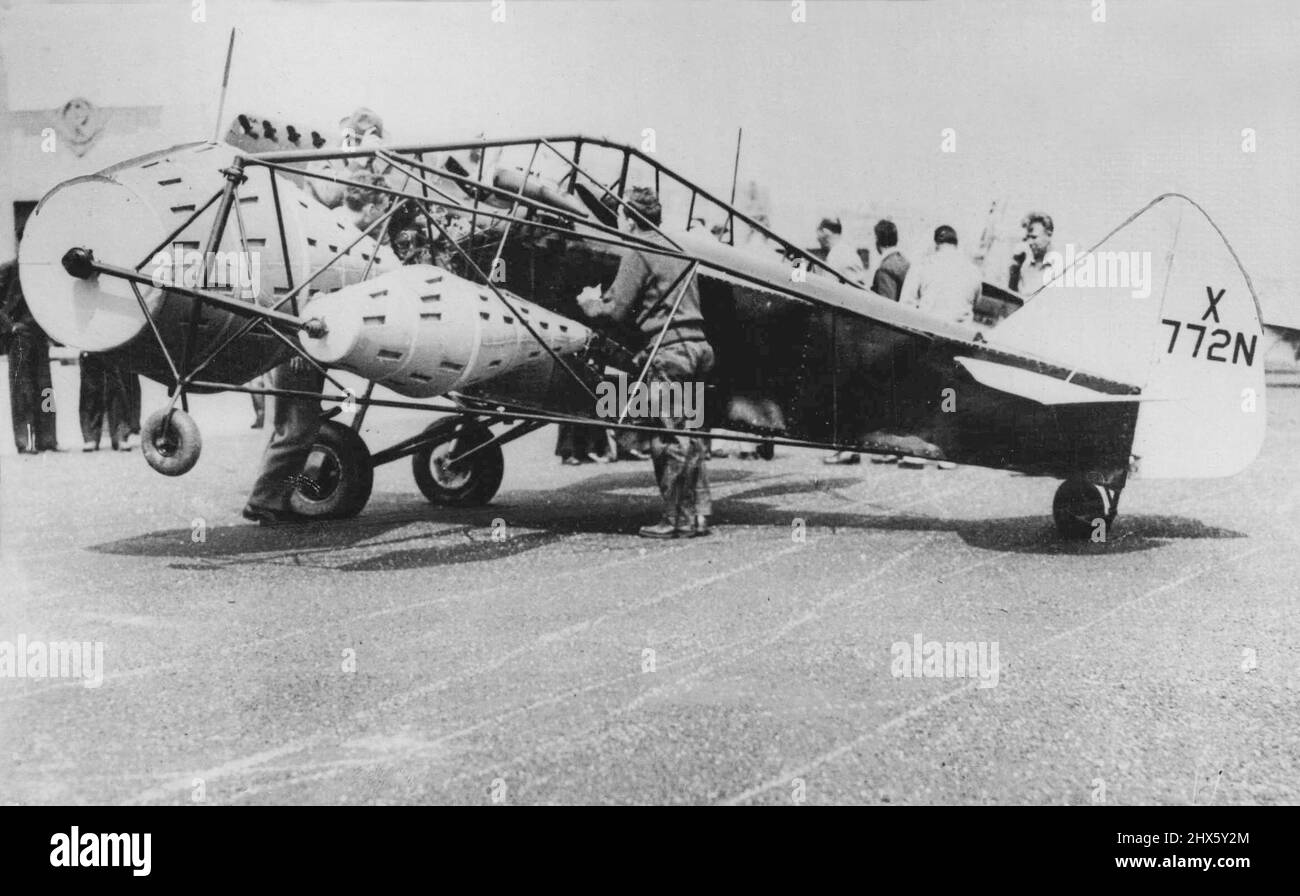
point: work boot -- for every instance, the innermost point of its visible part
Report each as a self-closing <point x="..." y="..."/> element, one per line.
<point x="666" y="528"/>
<point x="266" y="516"/>
<point x="843" y="457"/>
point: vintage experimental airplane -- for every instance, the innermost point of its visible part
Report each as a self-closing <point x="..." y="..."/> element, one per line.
<point x="1088" y="384"/>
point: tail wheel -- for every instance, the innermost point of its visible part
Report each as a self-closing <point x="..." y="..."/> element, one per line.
<point x="470" y="482"/>
<point x="1081" y="509"/>
<point x="170" y="442"/>
<point x="765" y="450"/>
<point x="338" y="476"/>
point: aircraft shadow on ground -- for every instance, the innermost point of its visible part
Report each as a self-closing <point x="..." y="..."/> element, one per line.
<point x="401" y="531"/>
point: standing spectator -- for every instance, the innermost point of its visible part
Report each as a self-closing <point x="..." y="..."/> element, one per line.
<point x="945" y="284"/>
<point x="832" y="249"/>
<point x="577" y="444"/>
<point x="1030" y="267"/>
<point x="105" y="401"/>
<point x="31" y="393"/>
<point x="888" y="282"/>
<point x="892" y="272"/>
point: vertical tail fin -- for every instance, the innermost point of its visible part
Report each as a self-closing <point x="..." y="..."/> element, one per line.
<point x="1162" y="303"/>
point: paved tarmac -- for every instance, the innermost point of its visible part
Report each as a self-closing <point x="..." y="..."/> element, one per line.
<point x="409" y="656"/>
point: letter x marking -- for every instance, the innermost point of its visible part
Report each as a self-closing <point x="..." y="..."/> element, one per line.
<point x="1214" y="303"/>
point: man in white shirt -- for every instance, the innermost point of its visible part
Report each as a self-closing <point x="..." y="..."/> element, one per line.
<point x="1031" y="267"/>
<point x="836" y="253"/>
<point x="944" y="284"/>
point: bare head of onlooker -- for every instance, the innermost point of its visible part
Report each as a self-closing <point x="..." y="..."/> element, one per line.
<point x="361" y="128"/>
<point x="944" y="236"/>
<point x="366" y="203"/>
<point x="641" y="210"/>
<point x="828" y="233"/>
<point x="886" y="236"/>
<point x="1038" y="233"/>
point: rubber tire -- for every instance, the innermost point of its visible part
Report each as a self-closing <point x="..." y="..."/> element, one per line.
<point x="348" y="476"/>
<point x="484" y="472"/>
<point x="170" y="442"/>
<point x="1078" y="505"/>
<point x="765" y="450"/>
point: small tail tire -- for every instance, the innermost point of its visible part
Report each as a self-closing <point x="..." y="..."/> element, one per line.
<point x="1082" y="509"/>
<point x="170" y="442"/>
<point x="336" y="480"/>
<point x="471" y="483"/>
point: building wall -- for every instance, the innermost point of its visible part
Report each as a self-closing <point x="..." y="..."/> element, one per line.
<point x="144" y="86"/>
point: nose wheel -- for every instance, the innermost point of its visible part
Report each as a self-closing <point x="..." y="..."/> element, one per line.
<point x="450" y="471"/>
<point x="1081" y="509"/>
<point x="170" y="442"/>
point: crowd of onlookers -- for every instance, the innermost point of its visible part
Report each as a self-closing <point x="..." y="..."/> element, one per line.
<point x="108" y="406"/>
<point x="945" y="283"/>
<point x="109" y="395"/>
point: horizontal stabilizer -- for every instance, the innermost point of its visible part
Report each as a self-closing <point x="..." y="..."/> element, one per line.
<point x="1038" y="386"/>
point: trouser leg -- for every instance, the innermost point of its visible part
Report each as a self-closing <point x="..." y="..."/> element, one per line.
<point x="47" y="432"/>
<point x="117" y="403"/>
<point x="21" y="389"/>
<point x="295" y="423"/>
<point x="91" y="398"/>
<point x="564" y="441"/>
<point x="671" y="460"/>
<point x="679" y="458"/>
<point x="132" y="402"/>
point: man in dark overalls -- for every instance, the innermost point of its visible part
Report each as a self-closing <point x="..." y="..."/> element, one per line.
<point x="31" y="394"/>
<point x="641" y="300"/>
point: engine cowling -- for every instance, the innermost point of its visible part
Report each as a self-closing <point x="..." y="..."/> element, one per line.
<point x="422" y="331"/>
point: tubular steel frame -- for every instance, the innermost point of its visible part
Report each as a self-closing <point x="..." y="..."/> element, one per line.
<point x="409" y="161"/>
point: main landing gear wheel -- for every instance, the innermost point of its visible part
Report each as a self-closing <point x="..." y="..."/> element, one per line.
<point x="336" y="480"/>
<point x="469" y="483"/>
<point x="1081" y="509"/>
<point x="170" y="442"/>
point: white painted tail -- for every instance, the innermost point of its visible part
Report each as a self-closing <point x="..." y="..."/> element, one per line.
<point x="1162" y="303"/>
